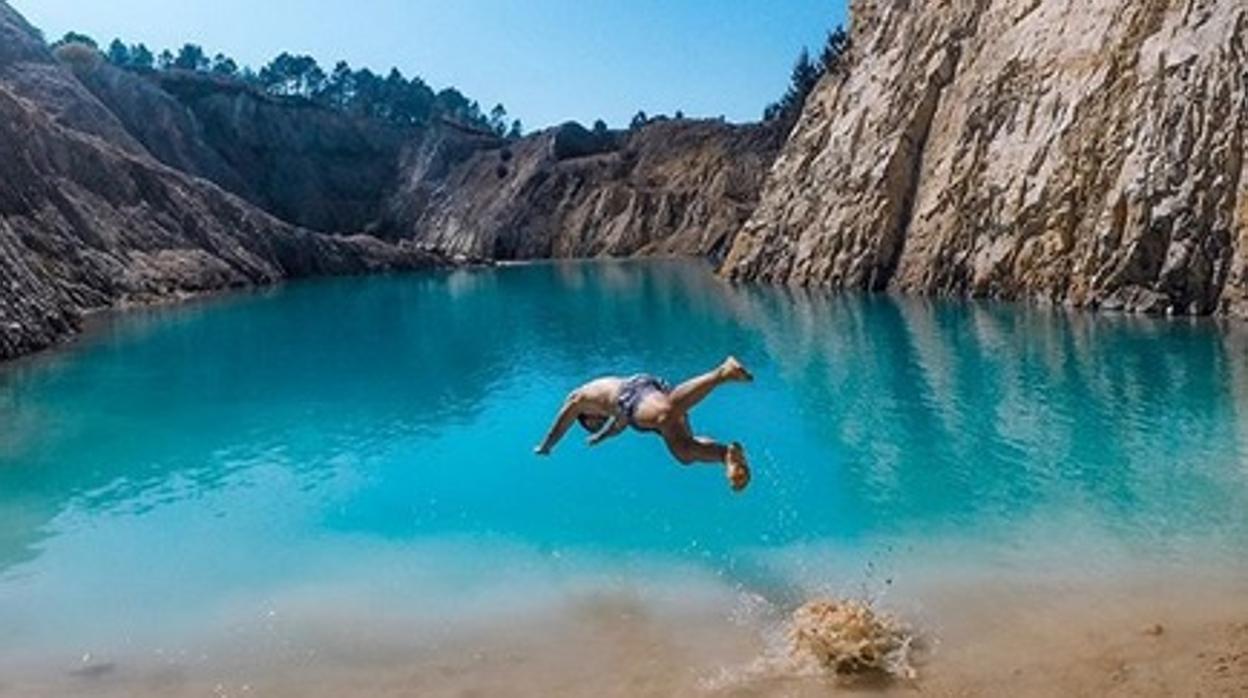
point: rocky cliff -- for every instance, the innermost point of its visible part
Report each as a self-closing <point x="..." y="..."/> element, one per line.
<point x="670" y="187"/>
<point x="1080" y="152"/>
<point x="306" y="164"/>
<point x="120" y="186"/>
<point x="89" y="219"/>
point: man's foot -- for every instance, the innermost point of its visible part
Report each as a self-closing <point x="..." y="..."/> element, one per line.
<point x="733" y="370"/>
<point x="738" y="470"/>
<point x="541" y="450"/>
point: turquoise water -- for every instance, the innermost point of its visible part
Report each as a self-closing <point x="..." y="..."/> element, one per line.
<point x="369" y="441"/>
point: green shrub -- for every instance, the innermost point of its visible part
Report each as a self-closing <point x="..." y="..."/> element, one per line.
<point x="78" y="56"/>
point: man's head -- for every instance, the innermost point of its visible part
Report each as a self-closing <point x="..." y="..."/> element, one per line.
<point x="592" y="423"/>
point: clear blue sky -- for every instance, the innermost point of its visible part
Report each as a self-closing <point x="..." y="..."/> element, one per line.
<point x="546" y="60"/>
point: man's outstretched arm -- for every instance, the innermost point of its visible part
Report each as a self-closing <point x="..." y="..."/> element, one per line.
<point x="563" y="421"/>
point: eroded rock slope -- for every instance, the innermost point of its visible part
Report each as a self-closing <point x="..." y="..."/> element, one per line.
<point x="89" y="219"/>
<point x="670" y="187"/>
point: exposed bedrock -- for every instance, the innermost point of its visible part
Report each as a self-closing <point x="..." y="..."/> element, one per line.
<point x="670" y="187"/>
<point x="306" y="164"/>
<point x="1081" y="153"/>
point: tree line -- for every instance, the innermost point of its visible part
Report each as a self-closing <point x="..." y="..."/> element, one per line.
<point x="806" y="74"/>
<point x="400" y="100"/>
<point x="391" y="98"/>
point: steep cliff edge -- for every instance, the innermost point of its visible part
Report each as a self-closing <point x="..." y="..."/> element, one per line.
<point x="669" y="187"/>
<point x="165" y="127"/>
<point x="306" y="164"/>
<point x="89" y="219"/>
<point x="1083" y="153"/>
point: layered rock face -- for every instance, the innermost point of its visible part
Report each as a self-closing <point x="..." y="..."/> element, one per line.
<point x="89" y="219"/>
<point x="1083" y="153"/>
<point x="670" y="187"/>
<point x="306" y="164"/>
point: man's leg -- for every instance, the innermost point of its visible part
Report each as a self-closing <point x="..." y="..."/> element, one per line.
<point x="694" y="390"/>
<point x="688" y="449"/>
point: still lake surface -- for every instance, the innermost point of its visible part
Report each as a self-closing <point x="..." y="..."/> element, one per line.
<point x="365" y="446"/>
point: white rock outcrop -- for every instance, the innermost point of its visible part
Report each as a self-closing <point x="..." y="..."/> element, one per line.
<point x="1082" y="152"/>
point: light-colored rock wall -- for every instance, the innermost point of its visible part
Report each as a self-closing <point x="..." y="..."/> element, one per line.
<point x="1082" y="152"/>
<point x="671" y="187"/>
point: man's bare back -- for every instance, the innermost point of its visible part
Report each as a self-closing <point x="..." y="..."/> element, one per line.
<point x="607" y="406"/>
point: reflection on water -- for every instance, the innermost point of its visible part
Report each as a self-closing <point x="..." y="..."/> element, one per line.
<point x="243" y="446"/>
<point x="948" y="410"/>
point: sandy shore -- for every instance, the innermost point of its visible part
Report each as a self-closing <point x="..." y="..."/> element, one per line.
<point x="1134" y="638"/>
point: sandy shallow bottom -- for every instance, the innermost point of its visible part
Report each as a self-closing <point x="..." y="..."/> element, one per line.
<point x="1184" y="637"/>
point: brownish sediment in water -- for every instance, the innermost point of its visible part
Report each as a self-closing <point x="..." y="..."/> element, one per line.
<point x="986" y="641"/>
<point x="849" y="638"/>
